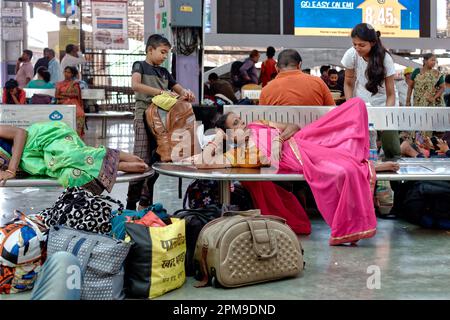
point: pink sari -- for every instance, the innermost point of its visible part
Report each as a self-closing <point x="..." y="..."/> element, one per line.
<point x="332" y="153"/>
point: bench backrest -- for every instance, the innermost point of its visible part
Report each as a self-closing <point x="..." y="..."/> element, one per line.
<point x="23" y="116"/>
<point x="383" y="118"/>
<point x="87" y="94"/>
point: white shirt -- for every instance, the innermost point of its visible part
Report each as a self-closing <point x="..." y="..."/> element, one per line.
<point x="71" y="61"/>
<point x="402" y="88"/>
<point x="352" y="60"/>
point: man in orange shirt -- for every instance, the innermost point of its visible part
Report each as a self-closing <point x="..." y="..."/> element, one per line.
<point x="292" y="87"/>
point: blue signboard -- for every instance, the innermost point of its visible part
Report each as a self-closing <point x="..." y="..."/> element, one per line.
<point x="393" y="18"/>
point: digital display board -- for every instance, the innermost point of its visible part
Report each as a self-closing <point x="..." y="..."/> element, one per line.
<point x="393" y="18"/>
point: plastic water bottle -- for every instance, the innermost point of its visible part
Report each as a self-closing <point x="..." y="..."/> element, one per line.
<point x="373" y="156"/>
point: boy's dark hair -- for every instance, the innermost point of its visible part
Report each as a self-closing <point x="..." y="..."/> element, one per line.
<point x="29" y="53"/>
<point x="157" y="40"/>
<point x="270" y="53"/>
<point x="213" y="77"/>
<point x="289" y="58"/>
<point x="332" y="71"/>
<point x="69" y="48"/>
<point x="447" y="79"/>
<point x="323" y="69"/>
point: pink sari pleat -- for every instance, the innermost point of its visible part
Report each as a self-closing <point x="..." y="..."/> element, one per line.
<point x="332" y="153"/>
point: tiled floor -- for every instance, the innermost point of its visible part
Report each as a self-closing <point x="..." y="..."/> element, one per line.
<point x="414" y="263"/>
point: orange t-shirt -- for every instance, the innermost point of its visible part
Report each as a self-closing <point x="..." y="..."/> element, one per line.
<point x="295" y="88"/>
<point x="268" y="71"/>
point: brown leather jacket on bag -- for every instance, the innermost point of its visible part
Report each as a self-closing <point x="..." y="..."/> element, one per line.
<point x="176" y="138"/>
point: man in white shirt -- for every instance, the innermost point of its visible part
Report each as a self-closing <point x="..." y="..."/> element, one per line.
<point x="72" y="58"/>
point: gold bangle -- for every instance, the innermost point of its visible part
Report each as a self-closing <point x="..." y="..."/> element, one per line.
<point x="9" y="171"/>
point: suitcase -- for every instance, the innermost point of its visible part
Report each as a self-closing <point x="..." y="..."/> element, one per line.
<point x="243" y="249"/>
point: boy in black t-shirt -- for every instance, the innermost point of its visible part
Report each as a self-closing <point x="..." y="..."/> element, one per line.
<point x="148" y="80"/>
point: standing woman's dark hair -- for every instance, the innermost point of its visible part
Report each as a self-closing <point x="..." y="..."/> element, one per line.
<point x="427" y="56"/>
<point x="376" y="71"/>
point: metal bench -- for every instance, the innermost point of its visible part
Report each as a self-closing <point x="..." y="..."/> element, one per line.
<point x="48" y="182"/>
<point x="105" y="115"/>
<point x="86" y="94"/>
<point x="434" y="169"/>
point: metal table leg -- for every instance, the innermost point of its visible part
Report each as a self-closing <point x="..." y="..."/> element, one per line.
<point x="225" y="196"/>
<point x="103" y="136"/>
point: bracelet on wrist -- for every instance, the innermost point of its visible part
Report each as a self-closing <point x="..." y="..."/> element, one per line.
<point x="10" y="171"/>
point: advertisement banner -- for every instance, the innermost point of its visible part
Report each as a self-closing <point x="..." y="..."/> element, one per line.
<point x="12" y="24"/>
<point x="110" y="24"/>
<point x="393" y="18"/>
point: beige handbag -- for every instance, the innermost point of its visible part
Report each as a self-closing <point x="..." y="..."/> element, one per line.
<point x="244" y="248"/>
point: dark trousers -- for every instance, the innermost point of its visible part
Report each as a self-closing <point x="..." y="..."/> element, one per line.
<point x="144" y="147"/>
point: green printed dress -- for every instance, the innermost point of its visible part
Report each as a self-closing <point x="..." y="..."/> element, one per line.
<point x="54" y="149"/>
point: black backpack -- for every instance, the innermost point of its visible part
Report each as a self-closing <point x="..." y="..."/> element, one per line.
<point x="195" y="219"/>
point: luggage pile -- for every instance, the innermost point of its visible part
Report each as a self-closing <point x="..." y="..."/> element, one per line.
<point x="143" y="255"/>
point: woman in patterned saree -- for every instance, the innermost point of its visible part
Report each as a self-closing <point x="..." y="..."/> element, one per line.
<point x="332" y="153"/>
<point x="54" y="149"/>
<point x="68" y="92"/>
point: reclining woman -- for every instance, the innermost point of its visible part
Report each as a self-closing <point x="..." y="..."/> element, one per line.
<point x="332" y="153"/>
<point x="54" y="149"/>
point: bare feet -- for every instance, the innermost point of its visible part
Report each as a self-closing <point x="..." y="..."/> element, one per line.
<point x="387" y="166"/>
<point x="133" y="167"/>
<point x="407" y="150"/>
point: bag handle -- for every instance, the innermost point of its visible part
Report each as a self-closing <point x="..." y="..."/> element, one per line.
<point x="272" y="242"/>
<point x="115" y="201"/>
<point x="248" y="213"/>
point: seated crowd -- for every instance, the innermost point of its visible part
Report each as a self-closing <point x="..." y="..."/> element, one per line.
<point x="332" y="153"/>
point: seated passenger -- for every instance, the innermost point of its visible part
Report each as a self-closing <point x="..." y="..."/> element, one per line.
<point x="427" y="150"/>
<point x="12" y="94"/>
<point x="54" y="149"/>
<point x="332" y="153"/>
<point x="43" y="80"/>
<point x="68" y="92"/>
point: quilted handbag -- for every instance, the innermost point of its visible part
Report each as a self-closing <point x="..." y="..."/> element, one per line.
<point x="80" y="209"/>
<point x="101" y="260"/>
<point x="242" y="249"/>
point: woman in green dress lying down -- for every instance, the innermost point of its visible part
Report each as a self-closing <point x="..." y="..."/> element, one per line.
<point x="54" y="149"/>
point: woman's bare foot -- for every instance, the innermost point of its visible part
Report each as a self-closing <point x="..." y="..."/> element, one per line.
<point x="407" y="150"/>
<point x="133" y="167"/>
<point x="387" y="166"/>
<point x="128" y="157"/>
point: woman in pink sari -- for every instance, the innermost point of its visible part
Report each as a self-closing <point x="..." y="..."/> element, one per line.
<point x="332" y="153"/>
<point x="68" y="92"/>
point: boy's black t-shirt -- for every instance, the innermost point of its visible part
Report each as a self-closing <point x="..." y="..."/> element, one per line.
<point x="152" y="76"/>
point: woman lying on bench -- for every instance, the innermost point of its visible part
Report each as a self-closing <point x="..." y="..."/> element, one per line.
<point x="332" y="153"/>
<point x="54" y="149"/>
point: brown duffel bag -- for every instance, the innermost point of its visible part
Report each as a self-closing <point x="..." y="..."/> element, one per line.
<point x="178" y="132"/>
<point x="246" y="248"/>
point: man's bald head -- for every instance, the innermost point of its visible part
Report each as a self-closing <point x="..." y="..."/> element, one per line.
<point x="289" y="59"/>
